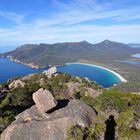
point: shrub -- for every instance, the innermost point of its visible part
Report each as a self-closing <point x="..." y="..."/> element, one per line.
<point x="75" y="133"/>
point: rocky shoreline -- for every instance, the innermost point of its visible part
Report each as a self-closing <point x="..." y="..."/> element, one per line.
<point x="32" y="65"/>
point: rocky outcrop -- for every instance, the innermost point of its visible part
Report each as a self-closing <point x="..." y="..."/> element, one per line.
<point x="76" y="87"/>
<point x="51" y="72"/>
<point x="52" y="125"/>
<point x="72" y="88"/>
<point x="44" y="100"/>
<point x="16" y="83"/>
<point x="91" y="92"/>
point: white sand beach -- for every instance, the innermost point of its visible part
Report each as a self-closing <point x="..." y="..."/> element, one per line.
<point x="117" y="74"/>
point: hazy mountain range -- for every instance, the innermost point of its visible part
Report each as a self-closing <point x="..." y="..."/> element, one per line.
<point x="61" y="53"/>
<point x="134" y="45"/>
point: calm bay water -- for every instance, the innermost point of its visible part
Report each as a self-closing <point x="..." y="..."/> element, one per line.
<point x="101" y="76"/>
<point x="10" y="69"/>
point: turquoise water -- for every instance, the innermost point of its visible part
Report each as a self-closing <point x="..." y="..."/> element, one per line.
<point x="101" y="76"/>
<point x="105" y="78"/>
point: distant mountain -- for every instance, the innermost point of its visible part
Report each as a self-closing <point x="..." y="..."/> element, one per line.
<point x="134" y="45"/>
<point x="61" y="53"/>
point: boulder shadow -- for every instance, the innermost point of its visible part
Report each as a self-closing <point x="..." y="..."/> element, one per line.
<point x="60" y="104"/>
<point x="110" y="128"/>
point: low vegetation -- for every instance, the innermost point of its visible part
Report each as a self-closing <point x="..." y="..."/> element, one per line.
<point x="123" y="106"/>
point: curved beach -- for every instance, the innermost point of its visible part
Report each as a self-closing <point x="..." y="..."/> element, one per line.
<point x="122" y="79"/>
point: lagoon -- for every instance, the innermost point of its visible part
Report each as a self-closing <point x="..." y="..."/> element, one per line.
<point x="103" y="76"/>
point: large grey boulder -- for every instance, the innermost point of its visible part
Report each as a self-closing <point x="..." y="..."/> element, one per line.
<point x="51" y="72"/>
<point x="31" y="125"/>
<point x="16" y="83"/>
<point x="44" y="100"/>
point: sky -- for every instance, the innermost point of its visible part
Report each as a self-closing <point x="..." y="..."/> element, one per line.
<point x="51" y="21"/>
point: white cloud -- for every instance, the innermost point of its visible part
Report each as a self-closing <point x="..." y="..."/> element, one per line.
<point x="78" y="11"/>
<point x="11" y="16"/>
<point x="65" y="24"/>
<point x="92" y="33"/>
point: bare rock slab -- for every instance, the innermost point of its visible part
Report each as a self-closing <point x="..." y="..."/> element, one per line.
<point x="34" y="123"/>
<point x="16" y="83"/>
<point x="44" y="100"/>
<point x="30" y="125"/>
<point x="51" y="72"/>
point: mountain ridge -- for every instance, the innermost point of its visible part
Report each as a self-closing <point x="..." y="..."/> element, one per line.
<point x="61" y="53"/>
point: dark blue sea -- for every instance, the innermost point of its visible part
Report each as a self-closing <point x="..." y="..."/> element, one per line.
<point x="9" y="69"/>
<point x="105" y="78"/>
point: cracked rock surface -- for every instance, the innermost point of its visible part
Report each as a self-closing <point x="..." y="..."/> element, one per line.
<point x="51" y="125"/>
